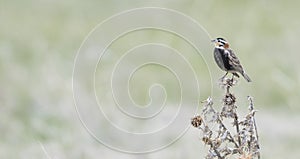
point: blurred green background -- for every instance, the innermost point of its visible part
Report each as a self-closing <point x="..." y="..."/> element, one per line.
<point x="39" y="41"/>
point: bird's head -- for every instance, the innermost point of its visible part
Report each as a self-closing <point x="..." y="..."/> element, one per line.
<point x="220" y="43"/>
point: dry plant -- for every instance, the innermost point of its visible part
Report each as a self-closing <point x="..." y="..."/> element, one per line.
<point x="238" y="140"/>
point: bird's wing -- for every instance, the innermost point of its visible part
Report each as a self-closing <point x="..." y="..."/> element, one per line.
<point x="232" y="58"/>
<point x="234" y="61"/>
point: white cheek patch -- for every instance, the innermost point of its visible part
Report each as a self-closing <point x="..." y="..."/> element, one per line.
<point x="223" y="41"/>
<point x="219" y="47"/>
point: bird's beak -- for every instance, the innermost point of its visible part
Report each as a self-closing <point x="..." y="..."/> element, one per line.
<point x="215" y="41"/>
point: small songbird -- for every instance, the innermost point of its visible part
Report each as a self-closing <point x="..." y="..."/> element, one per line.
<point x="226" y="59"/>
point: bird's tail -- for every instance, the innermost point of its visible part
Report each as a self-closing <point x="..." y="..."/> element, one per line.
<point x="247" y="78"/>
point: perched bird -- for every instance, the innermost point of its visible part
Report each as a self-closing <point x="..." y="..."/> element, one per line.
<point x="226" y="59"/>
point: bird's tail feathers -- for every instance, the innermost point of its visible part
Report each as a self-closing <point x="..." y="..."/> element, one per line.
<point x="247" y="78"/>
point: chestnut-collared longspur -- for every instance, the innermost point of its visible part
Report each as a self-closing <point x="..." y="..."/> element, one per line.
<point x="226" y="59"/>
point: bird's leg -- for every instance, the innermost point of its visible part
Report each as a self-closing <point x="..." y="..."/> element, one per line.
<point x="232" y="77"/>
<point x="222" y="78"/>
<point x="234" y="74"/>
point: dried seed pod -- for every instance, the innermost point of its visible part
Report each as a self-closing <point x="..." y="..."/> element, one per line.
<point x="217" y="142"/>
<point x="241" y="141"/>
<point x="206" y="140"/>
<point x="229" y="99"/>
<point x="196" y="121"/>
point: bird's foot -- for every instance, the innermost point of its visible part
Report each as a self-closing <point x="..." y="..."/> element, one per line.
<point x="223" y="77"/>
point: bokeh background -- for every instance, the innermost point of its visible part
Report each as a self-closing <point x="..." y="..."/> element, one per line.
<point x="39" y="41"/>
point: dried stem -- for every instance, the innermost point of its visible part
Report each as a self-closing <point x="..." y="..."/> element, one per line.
<point x="224" y="127"/>
<point x="216" y="151"/>
<point x="223" y="143"/>
<point x="236" y="123"/>
<point x="251" y="109"/>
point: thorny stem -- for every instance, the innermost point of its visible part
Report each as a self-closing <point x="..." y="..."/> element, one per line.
<point x="229" y="84"/>
<point x="224" y="127"/>
<point x="251" y="108"/>
<point x="212" y="146"/>
<point x="216" y="151"/>
<point x="227" y="89"/>
<point x="231" y="138"/>
<point x="236" y="123"/>
<point x="246" y="143"/>
<point x="229" y="134"/>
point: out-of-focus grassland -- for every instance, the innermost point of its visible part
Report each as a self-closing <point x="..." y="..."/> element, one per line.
<point x="39" y="40"/>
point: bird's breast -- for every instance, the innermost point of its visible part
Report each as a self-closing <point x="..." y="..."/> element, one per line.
<point x="221" y="59"/>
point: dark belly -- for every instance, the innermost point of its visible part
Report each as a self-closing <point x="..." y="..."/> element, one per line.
<point x="222" y="59"/>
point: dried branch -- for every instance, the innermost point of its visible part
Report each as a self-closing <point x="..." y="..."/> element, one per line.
<point x="251" y="109"/>
<point x="221" y="141"/>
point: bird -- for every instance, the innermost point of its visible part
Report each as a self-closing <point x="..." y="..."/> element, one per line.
<point x="227" y="60"/>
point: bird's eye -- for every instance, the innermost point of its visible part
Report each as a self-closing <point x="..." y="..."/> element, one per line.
<point x="221" y="40"/>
